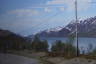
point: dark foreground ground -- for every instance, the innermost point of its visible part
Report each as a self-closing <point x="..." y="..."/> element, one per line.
<point x="15" y="59"/>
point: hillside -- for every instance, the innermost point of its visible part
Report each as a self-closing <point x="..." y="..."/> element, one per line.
<point x="10" y="40"/>
<point x="86" y="28"/>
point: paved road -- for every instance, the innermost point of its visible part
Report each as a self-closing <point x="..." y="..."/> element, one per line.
<point x="14" y="59"/>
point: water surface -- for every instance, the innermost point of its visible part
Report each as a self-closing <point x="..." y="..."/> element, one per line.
<point x="83" y="41"/>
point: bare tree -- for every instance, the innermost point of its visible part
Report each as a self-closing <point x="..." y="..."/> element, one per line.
<point x="90" y="47"/>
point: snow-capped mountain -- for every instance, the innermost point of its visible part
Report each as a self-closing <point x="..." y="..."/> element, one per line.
<point x="54" y="29"/>
<point x="55" y="32"/>
<point x="86" y="28"/>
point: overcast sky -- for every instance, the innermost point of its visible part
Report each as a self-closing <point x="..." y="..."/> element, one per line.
<point x="27" y="17"/>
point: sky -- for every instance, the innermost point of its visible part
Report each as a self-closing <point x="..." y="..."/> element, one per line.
<point x="27" y="17"/>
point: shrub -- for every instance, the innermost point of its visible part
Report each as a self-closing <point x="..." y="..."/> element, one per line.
<point x="67" y="49"/>
<point x="38" y="45"/>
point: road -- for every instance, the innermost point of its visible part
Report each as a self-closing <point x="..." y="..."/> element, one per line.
<point x="14" y="59"/>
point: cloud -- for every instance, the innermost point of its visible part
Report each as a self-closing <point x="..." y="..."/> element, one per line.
<point x="82" y="4"/>
<point x="53" y="2"/>
<point x="62" y="8"/>
<point x="47" y="9"/>
<point x="24" y="12"/>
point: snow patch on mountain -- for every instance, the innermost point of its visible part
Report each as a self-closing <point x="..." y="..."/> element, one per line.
<point x="68" y="28"/>
<point x="54" y="29"/>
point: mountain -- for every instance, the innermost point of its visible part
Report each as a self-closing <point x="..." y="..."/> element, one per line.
<point x="60" y="33"/>
<point x="4" y="33"/>
<point x="10" y="40"/>
<point x="9" y="34"/>
<point x="86" y="28"/>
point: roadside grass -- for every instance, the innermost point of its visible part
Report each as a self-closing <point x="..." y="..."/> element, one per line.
<point x="93" y="57"/>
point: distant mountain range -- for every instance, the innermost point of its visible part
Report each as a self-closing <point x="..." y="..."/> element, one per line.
<point x="86" y="28"/>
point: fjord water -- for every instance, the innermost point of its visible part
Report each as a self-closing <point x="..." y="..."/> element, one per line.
<point x="83" y="41"/>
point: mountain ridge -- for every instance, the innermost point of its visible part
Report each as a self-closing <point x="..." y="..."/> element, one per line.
<point x="86" y="28"/>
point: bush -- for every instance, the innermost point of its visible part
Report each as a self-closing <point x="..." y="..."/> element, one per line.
<point x="39" y="46"/>
<point x="94" y="52"/>
<point x="67" y="49"/>
<point x="58" y="46"/>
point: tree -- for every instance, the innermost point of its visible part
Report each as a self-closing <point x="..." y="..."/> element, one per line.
<point x="67" y="48"/>
<point x="70" y="48"/>
<point x="94" y="52"/>
<point x="38" y="45"/>
<point x="35" y="43"/>
<point x="58" y="46"/>
<point x="82" y="50"/>
<point x="90" y="47"/>
<point x="71" y="39"/>
<point x="45" y="45"/>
